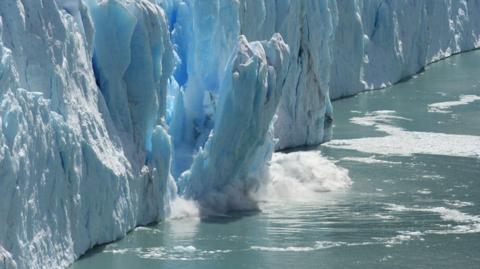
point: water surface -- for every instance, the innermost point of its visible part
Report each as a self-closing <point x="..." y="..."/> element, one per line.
<point x="413" y="154"/>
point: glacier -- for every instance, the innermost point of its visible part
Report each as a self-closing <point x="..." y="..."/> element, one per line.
<point x="112" y="109"/>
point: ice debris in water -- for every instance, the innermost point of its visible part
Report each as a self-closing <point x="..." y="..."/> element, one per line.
<point x="110" y="109"/>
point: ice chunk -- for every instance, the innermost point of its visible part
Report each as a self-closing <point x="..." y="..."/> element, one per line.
<point x="202" y="27"/>
<point x="442" y="107"/>
<point x="399" y="141"/>
<point x="232" y="162"/>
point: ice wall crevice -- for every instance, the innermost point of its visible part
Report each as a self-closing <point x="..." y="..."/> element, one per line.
<point x="200" y="29"/>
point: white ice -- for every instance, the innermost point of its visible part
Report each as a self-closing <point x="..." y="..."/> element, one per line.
<point x="302" y="176"/>
<point x="443" y="107"/>
<point x="91" y="147"/>
<point x="401" y="142"/>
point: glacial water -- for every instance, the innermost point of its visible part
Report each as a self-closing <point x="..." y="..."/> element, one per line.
<point x="413" y="154"/>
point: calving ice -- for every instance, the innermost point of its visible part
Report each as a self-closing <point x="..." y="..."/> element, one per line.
<point x="110" y="110"/>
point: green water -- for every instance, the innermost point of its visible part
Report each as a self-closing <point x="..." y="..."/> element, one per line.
<point x="415" y="206"/>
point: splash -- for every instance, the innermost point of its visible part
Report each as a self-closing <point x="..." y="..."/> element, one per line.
<point x="181" y="208"/>
<point x="302" y="176"/>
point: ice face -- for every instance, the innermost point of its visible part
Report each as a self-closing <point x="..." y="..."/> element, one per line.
<point x="70" y="176"/>
<point x="104" y="104"/>
<point x="392" y="41"/>
<point x="340" y="48"/>
<point x="233" y="160"/>
<point x="201" y="28"/>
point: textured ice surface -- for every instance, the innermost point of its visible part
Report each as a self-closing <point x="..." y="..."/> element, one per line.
<point x="340" y="48"/>
<point x="399" y="141"/>
<point x="234" y="159"/>
<point x="99" y="99"/>
<point x="302" y="176"/>
<point x="72" y="175"/>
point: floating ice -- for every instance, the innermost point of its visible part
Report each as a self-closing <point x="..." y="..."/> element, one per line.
<point x="176" y="253"/>
<point x="368" y="160"/>
<point x="405" y="143"/>
<point x="444" y="106"/>
<point x="87" y="137"/>
<point x="317" y="246"/>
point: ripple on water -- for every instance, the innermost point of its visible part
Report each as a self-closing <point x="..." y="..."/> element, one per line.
<point x="180" y="253"/>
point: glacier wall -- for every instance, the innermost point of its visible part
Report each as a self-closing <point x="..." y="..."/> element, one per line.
<point x="109" y="109"/>
<point x="340" y="48"/>
<point x="392" y="40"/>
<point x="74" y="168"/>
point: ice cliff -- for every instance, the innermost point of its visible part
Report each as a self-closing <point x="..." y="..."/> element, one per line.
<point x="75" y="170"/>
<point x="109" y="109"/>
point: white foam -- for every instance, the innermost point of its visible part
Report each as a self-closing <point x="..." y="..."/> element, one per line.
<point x="454" y="215"/>
<point x="384" y="217"/>
<point x="117" y="251"/>
<point x="185" y="248"/>
<point x="424" y="191"/>
<point x="300" y="176"/>
<point x="317" y="246"/>
<point x="120" y="250"/>
<point x="368" y="160"/>
<point x="147" y="229"/>
<point x="433" y="177"/>
<point x="466" y="223"/>
<point x="459" y="229"/>
<point x="405" y="143"/>
<point x="411" y="233"/>
<point x="380" y="116"/>
<point x="217" y="251"/>
<point x="182" y="208"/>
<point x="283" y="249"/>
<point x="458" y="203"/>
<point x="443" y="107"/>
<point x="156" y="253"/>
<point x="328" y="244"/>
<point x="180" y="253"/>
<point x="399" y="239"/>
